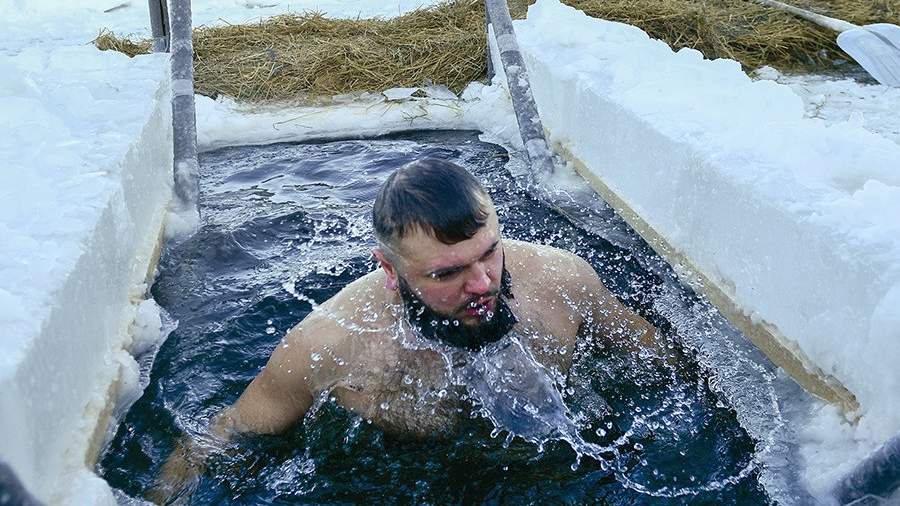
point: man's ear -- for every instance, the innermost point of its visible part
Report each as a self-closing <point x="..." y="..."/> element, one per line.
<point x="390" y="278"/>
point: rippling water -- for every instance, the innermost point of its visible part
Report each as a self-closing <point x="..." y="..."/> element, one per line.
<point x="286" y="226"/>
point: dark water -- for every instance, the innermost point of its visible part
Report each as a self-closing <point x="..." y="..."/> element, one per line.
<point x="289" y="223"/>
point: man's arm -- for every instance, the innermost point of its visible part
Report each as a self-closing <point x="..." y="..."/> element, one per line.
<point x="611" y="320"/>
<point x="278" y="397"/>
<point x="275" y="400"/>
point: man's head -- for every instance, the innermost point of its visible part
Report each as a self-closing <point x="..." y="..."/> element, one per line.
<point x="439" y="239"/>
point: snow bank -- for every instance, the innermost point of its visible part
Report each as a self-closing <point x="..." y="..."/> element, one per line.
<point x="85" y="137"/>
<point x="795" y="220"/>
<point x="486" y="108"/>
<point x="841" y="100"/>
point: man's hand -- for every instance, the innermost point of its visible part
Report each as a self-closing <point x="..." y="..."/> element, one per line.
<point x="276" y="399"/>
<point x="179" y="476"/>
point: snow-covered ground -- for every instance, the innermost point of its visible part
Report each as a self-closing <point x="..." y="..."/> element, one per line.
<point x="714" y="154"/>
<point x="838" y="101"/>
<point x="85" y="140"/>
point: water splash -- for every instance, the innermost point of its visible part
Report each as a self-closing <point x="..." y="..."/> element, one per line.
<point x="517" y="394"/>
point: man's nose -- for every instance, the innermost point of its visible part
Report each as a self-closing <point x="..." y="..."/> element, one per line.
<point x="479" y="280"/>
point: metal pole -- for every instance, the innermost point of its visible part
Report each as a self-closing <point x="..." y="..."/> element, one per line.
<point x="878" y="475"/>
<point x="184" y="120"/>
<point x="159" y="25"/>
<point x="530" y="127"/>
<point x="487" y="47"/>
<point x="12" y="492"/>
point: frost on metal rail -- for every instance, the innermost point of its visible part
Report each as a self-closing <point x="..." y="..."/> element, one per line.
<point x="530" y="126"/>
<point x="172" y="32"/>
<point x="876" y="477"/>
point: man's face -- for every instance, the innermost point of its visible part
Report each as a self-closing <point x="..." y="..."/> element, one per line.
<point x="460" y="281"/>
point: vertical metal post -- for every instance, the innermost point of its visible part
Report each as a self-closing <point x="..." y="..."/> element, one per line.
<point x="530" y="126"/>
<point x="878" y="475"/>
<point x="487" y="46"/>
<point x="159" y="25"/>
<point x="11" y="489"/>
<point x="184" y="120"/>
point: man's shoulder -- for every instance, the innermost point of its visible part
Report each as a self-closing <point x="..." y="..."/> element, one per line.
<point x="358" y="308"/>
<point x="540" y="259"/>
<point x="549" y="273"/>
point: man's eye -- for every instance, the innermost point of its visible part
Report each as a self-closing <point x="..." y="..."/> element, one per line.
<point x="443" y="275"/>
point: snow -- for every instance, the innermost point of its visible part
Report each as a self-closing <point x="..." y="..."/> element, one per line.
<point x="225" y="123"/>
<point x="86" y="141"/>
<point x="784" y="190"/>
<point x="85" y="138"/>
<point x="837" y="100"/>
<point x="794" y="216"/>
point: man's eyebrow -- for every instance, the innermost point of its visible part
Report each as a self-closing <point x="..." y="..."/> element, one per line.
<point x="449" y="269"/>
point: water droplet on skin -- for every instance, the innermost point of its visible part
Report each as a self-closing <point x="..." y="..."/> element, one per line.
<point x="407" y="379"/>
<point x="315" y="357"/>
<point x="384" y="405"/>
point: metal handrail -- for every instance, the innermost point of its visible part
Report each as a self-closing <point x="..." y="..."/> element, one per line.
<point x="159" y="25"/>
<point x="175" y="34"/>
<point x="876" y="476"/>
<point x="530" y="127"/>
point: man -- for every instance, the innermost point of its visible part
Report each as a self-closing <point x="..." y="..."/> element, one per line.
<point x="448" y="286"/>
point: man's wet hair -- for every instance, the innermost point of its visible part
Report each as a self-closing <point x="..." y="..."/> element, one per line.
<point x="435" y="195"/>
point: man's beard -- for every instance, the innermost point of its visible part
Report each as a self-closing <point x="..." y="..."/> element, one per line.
<point x="448" y="329"/>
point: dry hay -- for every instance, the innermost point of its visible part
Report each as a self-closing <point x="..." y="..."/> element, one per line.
<point x="743" y="30"/>
<point x="293" y="56"/>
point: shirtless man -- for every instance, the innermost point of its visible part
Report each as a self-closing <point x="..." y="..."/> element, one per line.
<point x="448" y="286"/>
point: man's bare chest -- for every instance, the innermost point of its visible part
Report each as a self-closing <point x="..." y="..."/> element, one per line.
<point x="404" y="391"/>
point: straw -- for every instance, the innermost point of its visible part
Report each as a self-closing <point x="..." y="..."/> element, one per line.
<point x="307" y="55"/>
